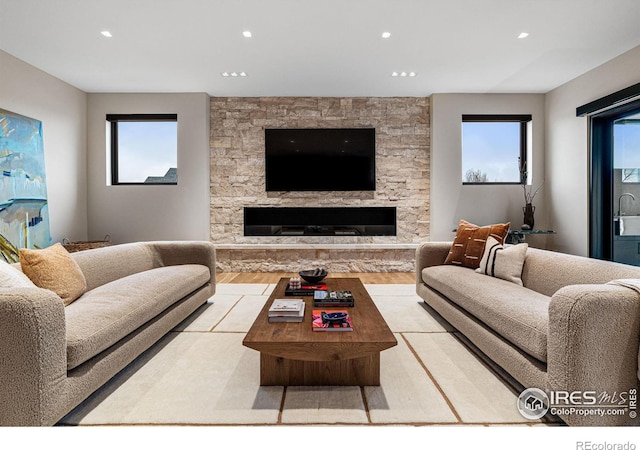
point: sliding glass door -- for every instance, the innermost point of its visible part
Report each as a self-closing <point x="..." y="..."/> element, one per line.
<point x="615" y="184"/>
<point x="626" y="189"/>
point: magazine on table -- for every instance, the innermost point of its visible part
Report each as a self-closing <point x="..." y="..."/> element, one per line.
<point x="331" y="320"/>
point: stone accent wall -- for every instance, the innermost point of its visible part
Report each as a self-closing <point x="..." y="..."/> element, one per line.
<point x="237" y="162"/>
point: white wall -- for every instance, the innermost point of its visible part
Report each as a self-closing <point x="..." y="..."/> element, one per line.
<point x="482" y="205"/>
<point x="143" y="213"/>
<point x="62" y="109"/>
<point x="567" y="147"/>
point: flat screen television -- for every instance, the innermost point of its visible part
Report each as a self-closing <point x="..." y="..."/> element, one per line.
<point x="320" y="159"/>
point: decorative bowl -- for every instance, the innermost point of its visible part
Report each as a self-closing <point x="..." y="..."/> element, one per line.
<point x="313" y="276"/>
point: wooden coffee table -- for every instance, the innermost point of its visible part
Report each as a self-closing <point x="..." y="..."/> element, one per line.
<point x="292" y="354"/>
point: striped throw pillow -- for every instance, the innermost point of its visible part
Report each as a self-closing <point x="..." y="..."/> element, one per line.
<point x="503" y="262"/>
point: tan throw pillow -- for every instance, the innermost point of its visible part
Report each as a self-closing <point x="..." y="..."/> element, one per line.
<point x="10" y="277"/>
<point x="503" y="262"/>
<point x="468" y="245"/>
<point x="53" y="268"/>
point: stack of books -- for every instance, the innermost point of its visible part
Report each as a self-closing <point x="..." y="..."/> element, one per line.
<point x="286" y="310"/>
<point x="331" y="299"/>
<point x="304" y="289"/>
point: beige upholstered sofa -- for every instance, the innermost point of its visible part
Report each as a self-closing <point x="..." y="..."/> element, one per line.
<point x="566" y="329"/>
<point x="53" y="357"/>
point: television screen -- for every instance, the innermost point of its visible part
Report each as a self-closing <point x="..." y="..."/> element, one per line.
<point x="320" y="159"/>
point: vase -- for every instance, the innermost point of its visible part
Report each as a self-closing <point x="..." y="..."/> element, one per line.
<point x="528" y="211"/>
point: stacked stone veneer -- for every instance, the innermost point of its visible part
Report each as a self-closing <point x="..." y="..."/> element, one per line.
<point x="237" y="172"/>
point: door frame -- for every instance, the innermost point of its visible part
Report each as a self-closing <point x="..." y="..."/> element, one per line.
<point x="601" y="203"/>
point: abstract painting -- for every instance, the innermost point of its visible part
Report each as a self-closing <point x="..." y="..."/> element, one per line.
<point x="24" y="212"/>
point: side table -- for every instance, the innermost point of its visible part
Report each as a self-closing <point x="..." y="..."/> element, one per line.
<point x="519" y="236"/>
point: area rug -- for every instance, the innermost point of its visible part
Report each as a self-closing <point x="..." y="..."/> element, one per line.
<point x="200" y="374"/>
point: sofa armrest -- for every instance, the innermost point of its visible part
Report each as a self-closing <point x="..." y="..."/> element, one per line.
<point x="430" y="254"/>
<point x="33" y="356"/>
<point x="171" y="253"/>
<point x="594" y="334"/>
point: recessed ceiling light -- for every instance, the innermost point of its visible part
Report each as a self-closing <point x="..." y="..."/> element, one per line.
<point x="386" y="35"/>
<point x="106" y="33"/>
<point x="523" y="35"/>
<point x="234" y="74"/>
<point x="404" y="74"/>
<point x="246" y="33"/>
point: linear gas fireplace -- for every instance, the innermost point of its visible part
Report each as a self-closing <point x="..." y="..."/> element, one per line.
<point x="327" y="221"/>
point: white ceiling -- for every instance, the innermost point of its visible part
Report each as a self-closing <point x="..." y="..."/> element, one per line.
<point x="318" y="48"/>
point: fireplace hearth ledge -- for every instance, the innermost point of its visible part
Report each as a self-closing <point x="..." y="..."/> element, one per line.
<point x="290" y="257"/>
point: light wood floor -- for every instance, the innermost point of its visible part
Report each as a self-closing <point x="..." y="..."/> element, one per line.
<point x="274" y="277"/>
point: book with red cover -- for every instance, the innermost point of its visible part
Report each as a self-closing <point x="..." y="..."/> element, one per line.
<point x="331" y="320"/>
<point x="305" y="289"/>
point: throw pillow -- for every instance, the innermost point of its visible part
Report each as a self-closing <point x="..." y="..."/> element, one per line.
<point x="53" y="268"/>
<point x="503" y="262"/>
<point x="470" y="241"/>
<point x="10" y="277"/>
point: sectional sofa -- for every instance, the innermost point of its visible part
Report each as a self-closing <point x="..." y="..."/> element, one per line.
<point x="53" y="356"/>
<point x="565" y="329"/>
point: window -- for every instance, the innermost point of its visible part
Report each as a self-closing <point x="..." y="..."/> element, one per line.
<point x="494" y="149"/>
<point x="144" y="148"/>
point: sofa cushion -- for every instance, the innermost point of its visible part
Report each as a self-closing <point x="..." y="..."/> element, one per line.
<point x="103" y="265"/>
<point x="103" y="316"/>
<point x="468" y="245"/>
<point x="503" y="262"/>
<point x="545" y="271"/>
<point x="53" y="268"/>
<point x="12" y="277"/>
<point x="518" y="314"/>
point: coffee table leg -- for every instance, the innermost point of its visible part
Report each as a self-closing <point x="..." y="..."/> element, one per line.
<point x="276" y="371"/>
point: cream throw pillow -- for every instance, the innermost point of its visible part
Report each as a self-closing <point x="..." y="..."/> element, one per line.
<point x="53" y="268"/>
<point x="10" y="277"/>
<point x="503" y="262"/>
